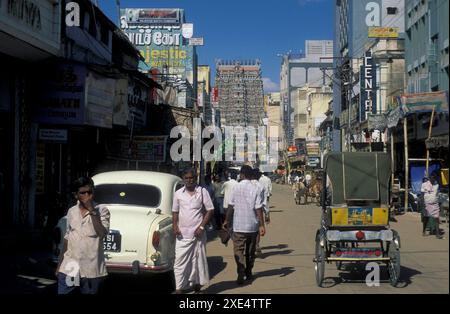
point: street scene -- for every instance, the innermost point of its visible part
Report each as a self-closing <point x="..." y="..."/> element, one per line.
<point x="153" y="147"/>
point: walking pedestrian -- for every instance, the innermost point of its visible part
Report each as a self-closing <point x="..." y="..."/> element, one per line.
<point x="189" y="221"/>
<point x="81" y="265"/>
<point x="218" y="201"/>
<point x="227" y="189"/>
<point x="246" y="212"/>
<point x="257" y="175"/>
<point x="430" y="189"/>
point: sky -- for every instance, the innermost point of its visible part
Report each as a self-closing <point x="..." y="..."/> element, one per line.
<point x="247" y="29"/>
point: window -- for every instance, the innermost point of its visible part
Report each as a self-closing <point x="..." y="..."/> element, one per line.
<point x="104" y="33"/>
<point x="392" y="10"/>
<point x="128" y="194"/>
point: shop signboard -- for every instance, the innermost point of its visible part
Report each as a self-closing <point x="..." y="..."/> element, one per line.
<point x="162" y="45"/>
<point x="140" y="148"/>
<point x="368" y="82"/>
<point x="100" y="92"/>
<point x="60" y="97"/>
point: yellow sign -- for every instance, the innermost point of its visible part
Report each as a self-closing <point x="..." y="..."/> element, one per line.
<point x="359" y="216"/>
<point x="383" y="32"/>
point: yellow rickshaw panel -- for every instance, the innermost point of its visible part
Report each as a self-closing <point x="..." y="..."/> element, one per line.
<point x="355" y="216"/>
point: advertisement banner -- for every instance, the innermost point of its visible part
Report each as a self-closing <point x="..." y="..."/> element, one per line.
<point x="99" y="100"/>
<point x="153" y="16"/>
<point x="368" y="82"/>
<point x="162" y="46"/>
<point x="383" y="32"/>
<point x="424" y="102"/>
<point x="141" y="148"/>
<point x="60" y="95"/>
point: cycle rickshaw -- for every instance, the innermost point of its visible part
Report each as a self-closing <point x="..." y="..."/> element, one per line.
<point x="355" y="214"/>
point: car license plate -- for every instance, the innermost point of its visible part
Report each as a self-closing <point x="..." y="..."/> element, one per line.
<point x="112" y="242"/>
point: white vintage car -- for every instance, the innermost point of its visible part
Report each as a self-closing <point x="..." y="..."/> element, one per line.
<point x="141" y="237"/>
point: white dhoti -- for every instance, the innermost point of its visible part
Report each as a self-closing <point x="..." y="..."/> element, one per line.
<point x="191" y="265"/>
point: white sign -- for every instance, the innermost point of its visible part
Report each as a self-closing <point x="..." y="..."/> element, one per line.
<point x="196" y="41"/>
<point x="148" y="37"/>
<point x="36" y="22"/>
<point x="53" y="135"/>
<point x="187" y="30"/>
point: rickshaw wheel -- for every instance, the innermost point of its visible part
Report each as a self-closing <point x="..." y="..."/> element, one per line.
<point x="394" y="265"/>
<point x="319" y="265"/>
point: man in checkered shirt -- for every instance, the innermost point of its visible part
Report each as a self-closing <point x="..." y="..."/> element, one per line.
<point x="245" y="213"/>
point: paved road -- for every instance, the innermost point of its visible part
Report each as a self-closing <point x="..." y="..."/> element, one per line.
<point x="286" y="265"/>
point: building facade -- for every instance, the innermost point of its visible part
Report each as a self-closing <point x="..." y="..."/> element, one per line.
<point x="368" y="35"/>
<point x="427" y="45"/>
<point x="29" y="35"/>
<point x="314" y="68"/>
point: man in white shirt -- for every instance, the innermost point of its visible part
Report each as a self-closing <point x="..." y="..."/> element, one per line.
<point x="245" y="210"/>
<point x="189" y="221"/>
<point x="226" y="191"/>
<point x="81" y="263"/>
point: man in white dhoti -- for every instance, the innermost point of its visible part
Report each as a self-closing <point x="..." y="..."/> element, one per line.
<point x="189" y="221"/>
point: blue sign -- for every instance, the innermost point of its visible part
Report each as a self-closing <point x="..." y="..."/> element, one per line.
<point x="368" y="92"/>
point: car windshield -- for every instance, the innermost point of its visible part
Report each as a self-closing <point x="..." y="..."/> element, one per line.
<point x="128" y="194"/>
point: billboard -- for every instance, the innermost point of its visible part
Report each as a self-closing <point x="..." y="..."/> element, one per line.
<point x="60" y="95"/>
<point x="153" y="16"/>
<point x="162" y="46"/>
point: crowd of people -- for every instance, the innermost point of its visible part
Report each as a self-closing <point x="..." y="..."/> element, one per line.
<point x="237" y="206"/>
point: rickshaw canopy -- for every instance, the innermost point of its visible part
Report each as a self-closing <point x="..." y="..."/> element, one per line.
<point x="358" y="176"/>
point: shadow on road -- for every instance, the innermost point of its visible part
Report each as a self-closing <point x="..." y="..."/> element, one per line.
<point x="267" y="254"/>
<point x="356" y="273"/>
<point x="215" y="265"/>
<point x="231" y="284"/>
<point x="279" y="246"/>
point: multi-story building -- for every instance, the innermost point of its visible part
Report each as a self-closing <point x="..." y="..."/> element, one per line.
<point x="314" y="68"/>
<point x="366" y="31"/>
<point x="240" y="93"/>
<point x="426" y="45"/>
<point x="203" y="93"/>
<point x="273" y="113"/>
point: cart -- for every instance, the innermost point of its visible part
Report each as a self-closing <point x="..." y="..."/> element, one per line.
<point x="355" y="205"/>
